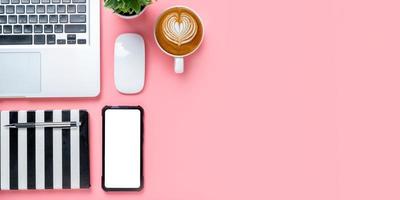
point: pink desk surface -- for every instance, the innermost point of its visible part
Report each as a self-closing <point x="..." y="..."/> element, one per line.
<point x="285" y="100"/>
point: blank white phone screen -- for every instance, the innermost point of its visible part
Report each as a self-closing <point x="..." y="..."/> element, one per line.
<point x="122" y="148"/>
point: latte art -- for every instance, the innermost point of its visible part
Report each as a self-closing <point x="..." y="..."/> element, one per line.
<point x="179" y="28"/>
<point x="178" y="31"/>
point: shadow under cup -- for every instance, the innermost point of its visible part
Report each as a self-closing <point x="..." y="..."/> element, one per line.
<point x="179" y="33"/>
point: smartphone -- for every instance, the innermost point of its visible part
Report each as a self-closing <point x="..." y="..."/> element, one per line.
<point x="122" y="148"/>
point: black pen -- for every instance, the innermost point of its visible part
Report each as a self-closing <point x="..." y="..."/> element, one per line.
<point x="44" y="125"/>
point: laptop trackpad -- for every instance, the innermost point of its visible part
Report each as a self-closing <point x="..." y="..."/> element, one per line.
<point x="19" y="73"/>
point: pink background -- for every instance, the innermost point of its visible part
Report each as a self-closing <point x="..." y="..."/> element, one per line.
<point x="285" y="100"/>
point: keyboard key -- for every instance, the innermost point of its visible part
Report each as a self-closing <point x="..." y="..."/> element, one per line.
<point x="71" y="37"/>
<point x="51" y="39"/>
<point x="0" y="29"/>
<point x="23" y="19"/>
<point x="33" y="19"/>
<point x="71" y="41"/>
<point x="71" y="9"/>
<point x="15" y="1"/>
<point x="74" y="28"/>
<point x="17" y="29"/>
<point x="40" y="39"/>
<point x="1" y="9"/>
<point x="12" y="19"/>
<point x="35" y="1"/>
<point x="81" y="41"/>
<point x="63" y="18"/>
<point x="48" y="28"/>
<point x="51" y="9"/>
<point x="78" y="1"/>
<point x="58" y="28"/>
<point x="30" y="9"/>
<point x="38" y="29"/>
<point x="28" y="29"/>
<point x="77" y="19"/>
<point x="53" y="18"/>
<point x="7" y="29"/>
<point x="61" y="41"/>
<point x="61" y="8"/>
<point x="43" y="19"/>
<point x="40" y="9"/>
<point x="25" y="1"/>
<point x="20" y="9"/>
<point x="10" y="9"/>
<point x="81" y="9"/>
<point x="56" y="1"/>
<point x="66" y="1"/>
<point x="45" y="1"/>
<point x="15" y="39"/>
<point x="5" y="1"/>
<point x="3" y="19"/>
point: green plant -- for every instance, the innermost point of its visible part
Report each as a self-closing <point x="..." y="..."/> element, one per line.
<point x="127" y="7"/>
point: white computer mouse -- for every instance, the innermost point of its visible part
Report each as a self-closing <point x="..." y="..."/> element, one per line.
<point x="129" y="63"/>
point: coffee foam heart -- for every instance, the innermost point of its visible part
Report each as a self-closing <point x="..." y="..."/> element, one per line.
<point x="179" y="28"/>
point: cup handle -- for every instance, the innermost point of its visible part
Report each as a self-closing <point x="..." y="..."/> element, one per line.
<point x="179" y="65"/>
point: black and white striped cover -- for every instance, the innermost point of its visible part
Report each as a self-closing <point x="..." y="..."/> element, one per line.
<point x="44" y="158"/>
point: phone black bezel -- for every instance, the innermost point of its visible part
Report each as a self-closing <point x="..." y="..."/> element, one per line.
<point x="141" y="148"/>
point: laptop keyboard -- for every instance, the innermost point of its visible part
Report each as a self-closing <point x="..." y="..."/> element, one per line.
<point x="43" y="22"/>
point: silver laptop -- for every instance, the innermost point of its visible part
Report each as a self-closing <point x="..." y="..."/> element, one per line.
<point x="49" y="48"/>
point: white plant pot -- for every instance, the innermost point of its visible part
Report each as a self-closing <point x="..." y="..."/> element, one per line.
<point x="132" y="16"/>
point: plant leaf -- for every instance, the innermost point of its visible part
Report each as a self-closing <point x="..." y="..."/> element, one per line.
<point x="127" y="6"/>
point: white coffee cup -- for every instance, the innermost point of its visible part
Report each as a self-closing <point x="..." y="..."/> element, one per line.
<point x="179" y="27"/>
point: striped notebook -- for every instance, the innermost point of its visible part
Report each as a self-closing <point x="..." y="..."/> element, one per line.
<point x="44" y="158"/>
